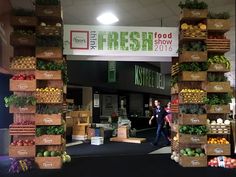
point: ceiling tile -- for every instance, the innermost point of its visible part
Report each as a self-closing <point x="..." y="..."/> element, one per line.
<point x="129" y="4"/>
<point x="171" y="21"/>
<point x="149" y="2"/>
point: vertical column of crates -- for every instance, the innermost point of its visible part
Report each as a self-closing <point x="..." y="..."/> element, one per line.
<point x="188" y="75"/>
<point x="50" y="124"/>
<point x="23" y="84"/>
<point x="217" y="85"/>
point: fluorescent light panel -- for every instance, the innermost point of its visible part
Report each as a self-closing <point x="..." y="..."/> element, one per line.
<point x="107" y="18"/>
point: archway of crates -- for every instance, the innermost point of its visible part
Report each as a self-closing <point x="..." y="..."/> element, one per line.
<point x="119" y="43"/>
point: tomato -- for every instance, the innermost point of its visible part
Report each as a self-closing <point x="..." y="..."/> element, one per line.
<point x="19" y="144"/>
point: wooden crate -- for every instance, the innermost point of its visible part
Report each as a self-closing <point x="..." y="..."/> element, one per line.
<point x="186" y="161"/>
<point x="224" y="109"/>
<point x="80" y="129"/>
<point x="22" y="40"/>
<point x="219" y="129"/>
<point x="192" y="119"/>
<point x="218" y="25"/>
<point x="48" y="162"/>
<point x="217" y="87"/>
<point x="193" y="13"/>
<point x="54" y="11"/>
<point x="49" y="52"/>
<point x="48" y="75"/>
<point x="123" y="132"/>
<point x="49" y="98"/>
<point x="183" y="37"/>
<point x="21" y="129"/>
<point x="22" y="110"/>
<point x="48" y="140"/>
<point x="23" y="21"/>
<point x="21" y="151"/>
<point x="217" y="68"/>
<point x="192" y="139"/>
<point x="194" y="76"/>
<point x="218" y="149"/>
<point x="189" y="56"/>
<point x="48" y="119"/>
<point x="175" y="108"/>
<point x="22" y="85"/>
<point x="218" y="44"/>
<point x="192" y="97"/>
<point x="49" y="30"/>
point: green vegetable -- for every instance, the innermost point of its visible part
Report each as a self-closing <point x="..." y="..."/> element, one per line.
<point x="19" y="101"/>
<point x="193" y="66"/>
<point x="50" y="130"/>
<point x="218" y="99"/>
<point x="220" y="15"/>
<point x="216" y="77"/>
<point x="193" y="4"/>
<point x="193" y="129"/>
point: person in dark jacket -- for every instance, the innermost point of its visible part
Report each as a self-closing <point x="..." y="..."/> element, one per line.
<point x="159" y="113"/>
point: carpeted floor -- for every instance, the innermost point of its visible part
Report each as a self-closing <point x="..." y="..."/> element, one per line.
<point x="124" y="166"/>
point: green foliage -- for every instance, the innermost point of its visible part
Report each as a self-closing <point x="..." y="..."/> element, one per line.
<point x="219" y="59"/>
<point x="220" y="15"/>
<point x="218" y="99"/>
<point x="24" y="32"/>
<point x="19" y="101"/>
<point x="22" y="12"/>
<point x="47" y="2"/>
<point x="192" y="109"/>
<point x="193" y="66"/>
<point x="194" y="46"/>
<point x="46" y="109"/>
<point x="53" y="66"/>
<point x="193" y="4"/>
<point x="193" y="129"/>
<point x="49" y="41"/>
<point x="174" y="80"/>
<point x="213" y="77"/>
<point x="50" y="130"/>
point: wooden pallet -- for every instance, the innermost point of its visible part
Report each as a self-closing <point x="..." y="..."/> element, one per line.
<point x="128" y="140"/>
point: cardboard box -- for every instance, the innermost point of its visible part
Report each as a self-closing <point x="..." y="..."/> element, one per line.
<point x="123" y="132"/>
<point x="97" y="140"/>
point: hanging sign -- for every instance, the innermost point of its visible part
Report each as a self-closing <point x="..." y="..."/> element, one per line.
<point x="120" y="41"/>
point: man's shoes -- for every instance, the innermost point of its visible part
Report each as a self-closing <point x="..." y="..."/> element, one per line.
<point x="153" y="144"/>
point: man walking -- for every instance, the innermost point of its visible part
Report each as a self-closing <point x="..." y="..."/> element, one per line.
<point x="159" y="113"/>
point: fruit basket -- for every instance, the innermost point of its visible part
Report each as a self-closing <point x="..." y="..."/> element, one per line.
<point x="48" y="119"/>
<point x="218" y="68"/>
<point x="224" y="109"/>
<point x="192" y="96"/>
<point x="23" y="63"/>
<point x="195" y="56"/>
<point x="48" y="162"/>
<point x="48" y="75"/>
<point x="21" y="151"/>
<point x="192" y="119"/>
<point x="217" y="87"/>
<point x="48" y="140"/>
<point x="193" y="13"/>
<point x="219" y="129"/>
<point x="49" y="95"/>
<point x="49" y="52"/>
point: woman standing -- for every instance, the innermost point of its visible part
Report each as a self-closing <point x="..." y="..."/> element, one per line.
<point x="168" y="120"/>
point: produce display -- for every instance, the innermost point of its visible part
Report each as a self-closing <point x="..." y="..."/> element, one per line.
<point x="218" y="99"/>
<point x="193" y="66"/>
<point x="219" y="15"/>
<point x="193" y="5"/>
<point x="50" y="130"/>
<point x="23" y="32"/>
<point x="48" y="95"/>
<point x="45" y="153"/>
<point x="192" y="109"/>
<point x="193" y="31"/>
<point x="217" y="140"/>
<point x="216" y="77"/>
<point x="24" y="122"/>
<point x="48" y="29"/>
<point x="175" y="156"/>
<point x="192" y="152"/>
<point x="216" y="36"/>
<point x="21" y="165"/>
<point x="46" y="41"/>
<point x="23" y="77"/>
<point x="23" y="63"/>
<point x="47" y="109"/>
<point x="19" y="101"/>
<point x="193" y="129"/>
<point x="197" y="46"/>
<point x="26" y="142"/>
<point x="192" y="95"/>
<point x="54" y="66"/>
<point x="49" y="25"/>
<point x="222" y="161"/>
<point x="22" y="12"/>
<point x="219" y="126"/>
<point x="219" y="59"/>
<point x="174" y="80"/>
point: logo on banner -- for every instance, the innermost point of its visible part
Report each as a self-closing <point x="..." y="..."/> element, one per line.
<point x="79" y="40"/>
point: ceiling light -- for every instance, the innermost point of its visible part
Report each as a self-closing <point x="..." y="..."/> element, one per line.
<point x="107" y="18"/>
